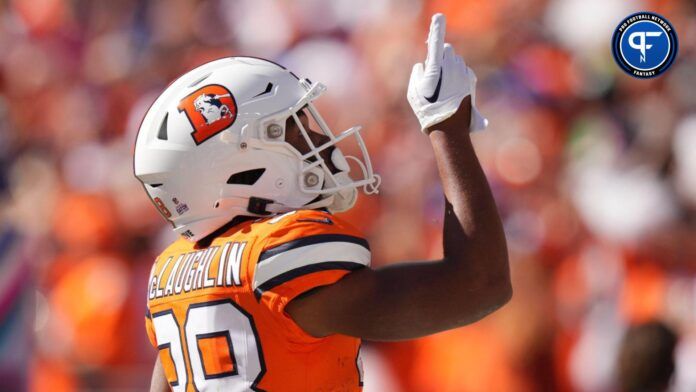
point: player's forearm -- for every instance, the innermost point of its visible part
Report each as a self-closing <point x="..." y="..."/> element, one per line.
<point x="473" y="238"/>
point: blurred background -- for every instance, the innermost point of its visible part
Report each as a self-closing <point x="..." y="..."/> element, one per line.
<point x="593" y="172"/>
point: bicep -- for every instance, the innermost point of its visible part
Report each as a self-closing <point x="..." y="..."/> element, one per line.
<point x="403" y="301"/>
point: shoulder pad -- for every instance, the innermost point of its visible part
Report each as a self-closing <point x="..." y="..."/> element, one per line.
<point x="307" y="241"/>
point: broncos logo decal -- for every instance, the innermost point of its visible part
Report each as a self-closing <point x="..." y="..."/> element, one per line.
<point x="210" y="110"/>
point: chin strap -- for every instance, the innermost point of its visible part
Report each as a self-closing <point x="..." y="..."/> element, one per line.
<point x="339" y="201"/>
<point x="259" y="206"/>
<point x="321" y="203"/>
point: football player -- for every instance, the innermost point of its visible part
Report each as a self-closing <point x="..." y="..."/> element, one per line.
<point x="267" y="289"/>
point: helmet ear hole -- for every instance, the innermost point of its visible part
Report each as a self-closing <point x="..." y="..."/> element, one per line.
<point x="248" y="177"/>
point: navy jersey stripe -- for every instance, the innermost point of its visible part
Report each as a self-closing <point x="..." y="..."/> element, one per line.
<point x="308" y="269"/>
<point x="312" y="240"/>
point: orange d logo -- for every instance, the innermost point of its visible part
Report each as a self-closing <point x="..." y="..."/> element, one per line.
<point x="210" y="110"/>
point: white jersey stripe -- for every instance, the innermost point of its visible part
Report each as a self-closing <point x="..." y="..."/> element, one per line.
<point x="308" y="255"/>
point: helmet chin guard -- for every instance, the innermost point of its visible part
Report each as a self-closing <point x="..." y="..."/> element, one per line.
<point x="369" y="181"/>
<point x="212" y="147"/>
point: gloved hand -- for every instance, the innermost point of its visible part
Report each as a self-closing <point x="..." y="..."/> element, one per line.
<point x="438" y="87"/>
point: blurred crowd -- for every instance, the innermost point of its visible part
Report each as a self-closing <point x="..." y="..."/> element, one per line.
<point x="592" y="171"/>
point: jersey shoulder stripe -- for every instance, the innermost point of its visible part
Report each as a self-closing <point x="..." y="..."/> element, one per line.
<point x="307" y="269"/>
<point x="306" y="255"/>
<point x="312" y="240"/>
<point x="309" y="254"/>
<point x="302" y="245"/>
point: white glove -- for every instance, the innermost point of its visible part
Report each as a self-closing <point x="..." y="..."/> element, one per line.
<point x="437" y="88"/>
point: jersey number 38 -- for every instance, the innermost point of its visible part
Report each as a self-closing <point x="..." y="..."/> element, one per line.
<point x="213" y="333"/>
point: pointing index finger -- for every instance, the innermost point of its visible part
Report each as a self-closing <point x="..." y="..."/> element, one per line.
<point x="436" y="43"/>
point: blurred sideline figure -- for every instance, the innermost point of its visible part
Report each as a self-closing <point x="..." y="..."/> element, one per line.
<point x="646" y="358"/>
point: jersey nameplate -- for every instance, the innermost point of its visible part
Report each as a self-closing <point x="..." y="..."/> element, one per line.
<point x="197" y="270"/>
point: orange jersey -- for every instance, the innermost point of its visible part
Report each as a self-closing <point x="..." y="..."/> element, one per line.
<point x="217" y="314"/>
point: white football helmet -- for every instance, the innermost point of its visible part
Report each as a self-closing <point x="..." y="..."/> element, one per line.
<point x="212" y="147"/>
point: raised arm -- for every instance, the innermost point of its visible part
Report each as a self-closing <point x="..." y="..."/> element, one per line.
<point x="410" y="300"/>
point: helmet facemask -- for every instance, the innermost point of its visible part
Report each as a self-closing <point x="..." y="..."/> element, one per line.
<point x="339" y="190"/>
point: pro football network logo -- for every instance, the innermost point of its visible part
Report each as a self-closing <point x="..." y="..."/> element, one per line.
<point x="210" y="110"/>
<point x="644" y="45"/>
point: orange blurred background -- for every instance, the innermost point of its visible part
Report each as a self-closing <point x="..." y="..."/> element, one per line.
<point x="593" y="172"/>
